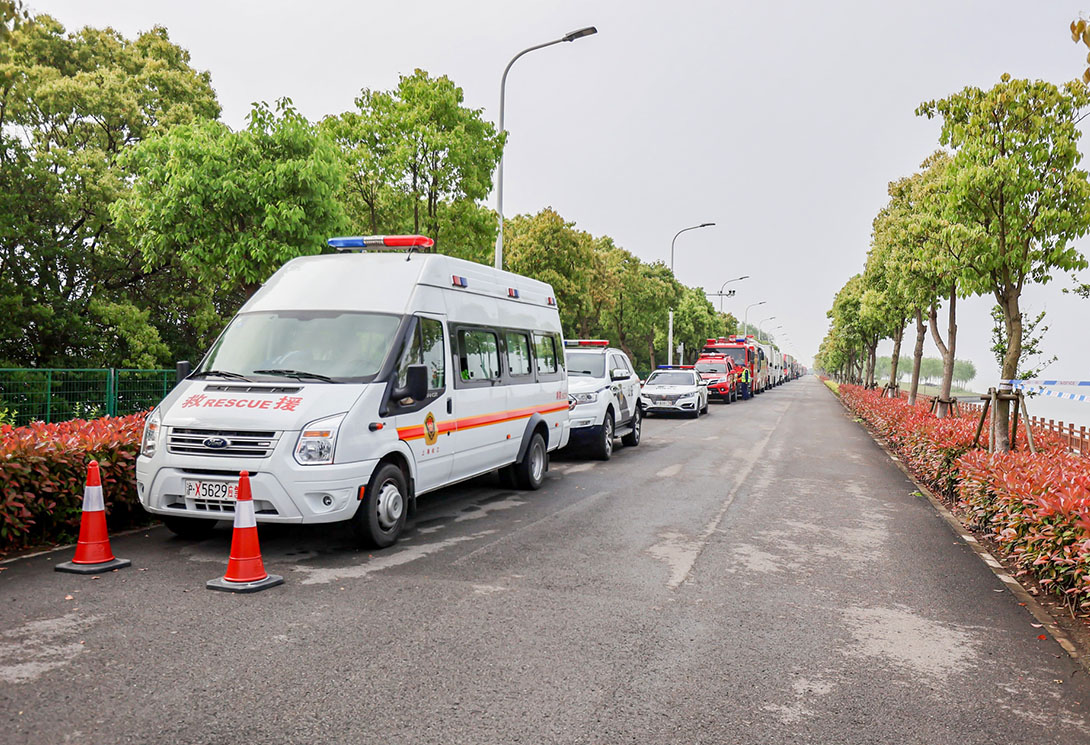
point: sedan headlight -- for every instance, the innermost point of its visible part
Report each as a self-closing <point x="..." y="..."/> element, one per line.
<point x="584" y="398"/>
<point x="150" y="438"/>
<point x="317" y="441"/>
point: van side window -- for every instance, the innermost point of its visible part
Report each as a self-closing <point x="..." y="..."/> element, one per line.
<point x="545" y="347"/>
<point x="518" y="353"/>
<point x="478" y="354"/>
<point x="425" y="348"/>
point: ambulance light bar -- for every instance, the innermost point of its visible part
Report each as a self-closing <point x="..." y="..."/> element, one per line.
<point x="348" y="243"/>
<point x="586" y="342"/>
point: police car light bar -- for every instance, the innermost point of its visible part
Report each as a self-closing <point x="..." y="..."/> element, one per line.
<point x="512" y="292"/>
<point x="457" y="281"/>
<point x="348" y="243"/>
<point x="675" y="367"/>
<point x="586" y="342"/>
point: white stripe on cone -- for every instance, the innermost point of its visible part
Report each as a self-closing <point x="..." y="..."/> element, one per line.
<point x="244" y="514"/>
<point x="92" y="499"/>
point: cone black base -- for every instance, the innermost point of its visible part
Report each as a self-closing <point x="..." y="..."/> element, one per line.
<point x="106" y="566"/>
<point x="224" y="585"/>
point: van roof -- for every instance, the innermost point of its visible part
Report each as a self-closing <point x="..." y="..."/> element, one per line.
<point x="382" y="282"/>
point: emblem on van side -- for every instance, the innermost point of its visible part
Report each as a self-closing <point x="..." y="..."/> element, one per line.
<point x="431" y="431"/>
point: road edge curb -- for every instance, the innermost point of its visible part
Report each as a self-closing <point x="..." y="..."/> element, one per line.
<point x="1038" y="611"/>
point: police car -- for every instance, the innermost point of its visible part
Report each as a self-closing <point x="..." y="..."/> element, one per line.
<point x="675" y="389"/>
<point x="605" y="393"/>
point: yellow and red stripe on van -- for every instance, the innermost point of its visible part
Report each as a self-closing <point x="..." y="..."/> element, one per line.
<point x="416" y="432"/>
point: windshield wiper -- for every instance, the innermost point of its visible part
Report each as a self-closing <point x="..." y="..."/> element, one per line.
<point x="297" y="374"/>
<point x="221" y="374"/>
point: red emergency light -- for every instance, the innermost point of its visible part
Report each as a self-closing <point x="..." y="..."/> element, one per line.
<point x="457" y="281"/>
<point x="348" y="243"/>
<point x="586" y="342"/>
<point x="512" y="292"/>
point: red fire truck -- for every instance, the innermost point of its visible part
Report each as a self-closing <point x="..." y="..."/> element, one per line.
<point x="743" y="351"/>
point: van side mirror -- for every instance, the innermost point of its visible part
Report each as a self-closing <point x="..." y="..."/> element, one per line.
<point x="416" y="384"/>
<point x="182" y="368"/>
<point x="618" y="373"/>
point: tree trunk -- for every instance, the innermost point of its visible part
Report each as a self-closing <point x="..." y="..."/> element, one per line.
<point x="947" y="349"/>
<point x="892" y="388"/>
<point x="1012" y="318"/>
<point x="917" y="357"/>
<point x="651" y="351"/>
<point x="868" y="376"/>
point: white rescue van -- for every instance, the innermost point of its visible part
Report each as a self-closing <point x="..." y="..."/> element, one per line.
<point x="351" y="383"/>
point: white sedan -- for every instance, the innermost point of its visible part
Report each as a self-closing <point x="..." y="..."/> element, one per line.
<point x="675" y="389"/>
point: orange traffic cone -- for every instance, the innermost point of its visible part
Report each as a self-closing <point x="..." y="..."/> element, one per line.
<point x="93" y="554"/>
<point x="245" y="571"/>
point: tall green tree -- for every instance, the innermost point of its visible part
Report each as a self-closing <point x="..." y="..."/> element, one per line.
<point x="233" y="206"/>
<point x="72" y="290"/>
<point x="419" y="160"/>
<point x="1015" y="172"/>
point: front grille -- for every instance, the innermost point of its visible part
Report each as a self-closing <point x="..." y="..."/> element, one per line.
<point x="227" y="388"/>
<point x="240" y="444"/>
<point x="665" y="398"/>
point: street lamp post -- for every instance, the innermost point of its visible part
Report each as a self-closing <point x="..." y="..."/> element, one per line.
<point x="745" y="323"/>
<point x="572" y="36"/>
<point x="670" y="328"/>
<point x="736" y="279"/>
<point x="770" y="318"/>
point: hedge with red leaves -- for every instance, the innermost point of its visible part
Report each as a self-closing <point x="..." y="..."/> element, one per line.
<point x="1036" y="506"/>
<point x="43" y="468"/>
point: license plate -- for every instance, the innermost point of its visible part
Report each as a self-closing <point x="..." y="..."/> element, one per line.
<point x="222" y="490"/>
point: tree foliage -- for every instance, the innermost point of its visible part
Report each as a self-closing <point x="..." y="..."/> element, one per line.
<point x="232" y="207"/>
<point x="71" y="287"/>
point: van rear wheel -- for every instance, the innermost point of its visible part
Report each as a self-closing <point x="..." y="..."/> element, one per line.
<point x="530" y="472"/>
<point x="381" y="517"/>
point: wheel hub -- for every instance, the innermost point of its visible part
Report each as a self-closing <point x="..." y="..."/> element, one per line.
<point x="390" y="505"/>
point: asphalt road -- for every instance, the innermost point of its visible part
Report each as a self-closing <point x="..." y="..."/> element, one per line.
<point x="761" y="575"/>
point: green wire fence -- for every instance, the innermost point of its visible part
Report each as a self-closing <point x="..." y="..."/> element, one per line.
<point x="57" y="395"/>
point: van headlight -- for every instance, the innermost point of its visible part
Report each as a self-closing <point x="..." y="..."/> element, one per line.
<point x="150" y="438"/>
<point x="317" y="441"/>
<point x="584" y="398"/>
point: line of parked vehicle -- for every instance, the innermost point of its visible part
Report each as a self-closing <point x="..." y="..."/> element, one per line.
<point x="351" y="383"/>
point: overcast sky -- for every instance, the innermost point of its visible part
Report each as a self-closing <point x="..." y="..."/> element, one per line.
<point x="782" y="122"/>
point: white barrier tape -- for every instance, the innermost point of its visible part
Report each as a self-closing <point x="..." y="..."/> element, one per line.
<point x="1042" y="381"/>
<point x="244" y="514"/>
<point x="1057" y="394"/>
<point x="92" y="499"/>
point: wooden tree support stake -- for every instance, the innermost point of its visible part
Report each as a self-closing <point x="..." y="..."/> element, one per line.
<point x="983" y="417"/>
<point x="1026" y="419"/>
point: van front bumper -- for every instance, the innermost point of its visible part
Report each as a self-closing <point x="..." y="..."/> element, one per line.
<point x="315" y="494"/>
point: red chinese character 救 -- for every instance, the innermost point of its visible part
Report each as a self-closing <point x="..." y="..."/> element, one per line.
<point x="193" y="400"/>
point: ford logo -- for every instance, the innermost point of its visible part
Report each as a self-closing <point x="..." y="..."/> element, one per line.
<point x="216" y="443"/>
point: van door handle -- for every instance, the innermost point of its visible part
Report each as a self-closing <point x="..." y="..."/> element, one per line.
<point x="450" y="406"/>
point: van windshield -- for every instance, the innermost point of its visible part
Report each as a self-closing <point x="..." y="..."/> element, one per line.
<point x="711" y="367"/>
<point x="344" y="347"/>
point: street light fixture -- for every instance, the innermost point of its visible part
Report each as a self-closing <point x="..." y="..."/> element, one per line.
<point x="736" y="279"/>
<point x="762" y="322"/>
<point x="745" y="324"/>
<point x="570" y="36"/>
<point x="670" y="329"/>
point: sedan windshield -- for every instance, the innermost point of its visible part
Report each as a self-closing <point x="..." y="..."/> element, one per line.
<point x="671" y="378"/>
<point x="308" y="346"/>
<point x="586" y="364"/>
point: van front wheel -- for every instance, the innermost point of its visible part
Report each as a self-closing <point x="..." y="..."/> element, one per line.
<point x="530" y="472"/>
<point x="381" y="517"/>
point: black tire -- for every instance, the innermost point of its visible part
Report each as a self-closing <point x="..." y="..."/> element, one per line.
<point x="530" y="472"/>
<point x="632" y="439"/>
<point x="381" y="516"/>
<point x="603" y="449"/>
<point x="190" y="528"/>
<point x="695" y="413"/>
<point x="705" y="409"/>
